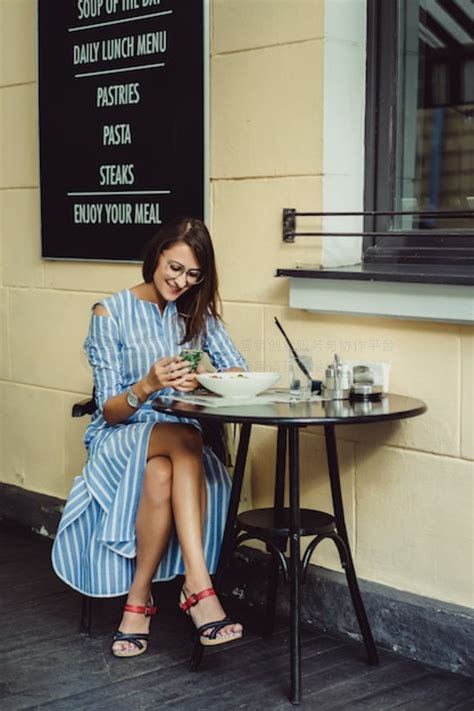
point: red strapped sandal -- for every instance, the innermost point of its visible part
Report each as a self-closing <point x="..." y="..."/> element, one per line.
<point x="211" y="639"/>
<point x="138" y="639"/>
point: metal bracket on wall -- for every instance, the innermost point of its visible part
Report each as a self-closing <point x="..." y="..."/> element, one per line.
<point x="290" y="214"/>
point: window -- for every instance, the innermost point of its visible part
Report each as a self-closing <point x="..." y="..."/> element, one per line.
<point x="420" y="131"/>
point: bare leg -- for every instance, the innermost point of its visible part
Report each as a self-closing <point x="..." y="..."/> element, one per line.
<point x="154" y="522"/>
<point x="183" y="445"/>
<point x="203" y="502"/>
<point x="153" y="527"/>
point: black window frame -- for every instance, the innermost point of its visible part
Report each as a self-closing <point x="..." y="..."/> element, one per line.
<point x="443" y="247"/>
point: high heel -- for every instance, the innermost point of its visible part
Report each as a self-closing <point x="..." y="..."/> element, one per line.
<point x="138" y="639"/>
<point x="211" y="639"/>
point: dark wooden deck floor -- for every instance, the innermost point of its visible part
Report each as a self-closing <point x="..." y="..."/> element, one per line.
<point x="46" y="664"/>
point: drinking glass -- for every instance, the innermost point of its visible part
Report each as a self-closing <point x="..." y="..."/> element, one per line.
<point x="300" y="385"/>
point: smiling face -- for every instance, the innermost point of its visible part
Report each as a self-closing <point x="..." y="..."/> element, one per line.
<point x="169" y="282"/>
<point x="179" y="264"/>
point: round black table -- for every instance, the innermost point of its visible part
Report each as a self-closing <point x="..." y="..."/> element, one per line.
<point x="275" y="526"/>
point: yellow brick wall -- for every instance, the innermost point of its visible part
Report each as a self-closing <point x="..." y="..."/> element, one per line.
<point x="407" y="485"/>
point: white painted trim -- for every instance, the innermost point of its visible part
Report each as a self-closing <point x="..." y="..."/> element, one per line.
<point x="343" y="126"/>
<point x="434" y="302"/>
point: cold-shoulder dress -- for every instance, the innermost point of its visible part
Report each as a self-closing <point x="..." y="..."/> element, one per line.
<point x="94" y="549"/>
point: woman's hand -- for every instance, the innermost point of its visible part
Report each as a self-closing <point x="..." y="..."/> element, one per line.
<point x="190" y="381"/>
<point x="168" y="372"/>
<point x="165" y="373"/>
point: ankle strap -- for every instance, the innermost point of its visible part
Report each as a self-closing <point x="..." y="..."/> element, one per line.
<point x="194" y="598"/>
<point x="147" y="610"/>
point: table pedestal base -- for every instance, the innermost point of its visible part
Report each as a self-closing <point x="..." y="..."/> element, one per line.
<point x="279" y="525"/>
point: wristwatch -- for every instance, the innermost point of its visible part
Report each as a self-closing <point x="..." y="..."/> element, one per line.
<point x="133" y="400"/>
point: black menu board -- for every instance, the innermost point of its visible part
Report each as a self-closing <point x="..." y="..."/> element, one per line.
<point x="121" y="118"/>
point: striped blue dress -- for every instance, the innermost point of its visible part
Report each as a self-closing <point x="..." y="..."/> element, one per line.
<point x="95" y="547"/>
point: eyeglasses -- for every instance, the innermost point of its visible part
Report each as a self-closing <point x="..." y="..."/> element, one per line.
<point x="175" y="269"/>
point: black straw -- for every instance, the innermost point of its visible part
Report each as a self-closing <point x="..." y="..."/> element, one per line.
<point x="295" y="354"/>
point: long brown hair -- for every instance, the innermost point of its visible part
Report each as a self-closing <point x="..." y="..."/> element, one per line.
<point x="201" y="300"/>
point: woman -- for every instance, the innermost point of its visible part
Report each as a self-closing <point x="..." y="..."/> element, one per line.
<point x="151" y="503"/>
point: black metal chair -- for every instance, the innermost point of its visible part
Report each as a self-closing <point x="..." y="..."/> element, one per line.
<point x="213" y="436"/>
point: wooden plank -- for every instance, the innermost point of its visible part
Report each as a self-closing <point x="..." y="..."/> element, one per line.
<point x="439" y="692"/>
<point x="318" y="672"/>
<point x="68" y="664"/>
<point x="372" y="689"/>
<point x="268" y="686"/>
<point x="176" y="685"/>
<point x="46" y="664"/>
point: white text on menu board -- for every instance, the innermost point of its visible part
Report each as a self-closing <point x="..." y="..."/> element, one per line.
<point x="120" y="94"/>
<point x="98" y="8"/>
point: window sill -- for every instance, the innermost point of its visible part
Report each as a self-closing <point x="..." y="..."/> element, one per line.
<point x="431" y="292"/>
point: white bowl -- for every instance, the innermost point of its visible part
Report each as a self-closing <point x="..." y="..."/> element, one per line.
<point x="237" y="385"/>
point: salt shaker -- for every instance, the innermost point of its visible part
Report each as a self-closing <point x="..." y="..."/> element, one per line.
<point x="338" y="380"/>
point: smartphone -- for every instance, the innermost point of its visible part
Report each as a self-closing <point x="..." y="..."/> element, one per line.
<point x="193" y="355"/>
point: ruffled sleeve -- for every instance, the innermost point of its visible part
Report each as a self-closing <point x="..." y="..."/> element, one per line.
<point x="220" y="348"/>
<point x="103" y="349"/>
